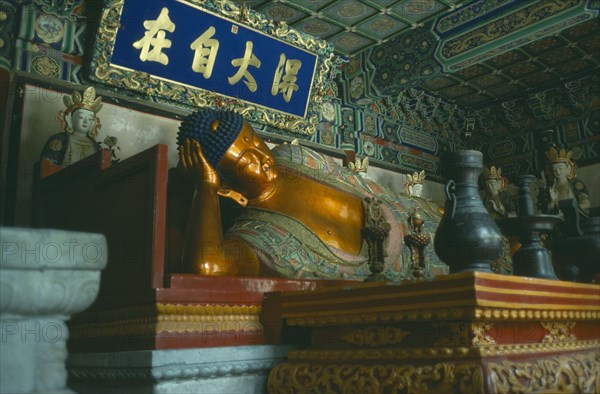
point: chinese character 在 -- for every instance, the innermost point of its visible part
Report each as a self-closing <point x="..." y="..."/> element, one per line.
<point x="242" y="63"/>
<point x="155" y="38"/>
<point x="285" y="78"/>
<point x="206" y="49"/>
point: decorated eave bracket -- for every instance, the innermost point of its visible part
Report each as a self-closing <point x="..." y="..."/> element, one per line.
<point x="215" y="54"/>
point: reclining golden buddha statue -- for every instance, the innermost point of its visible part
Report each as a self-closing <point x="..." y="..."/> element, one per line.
<point x="303" y="214"/>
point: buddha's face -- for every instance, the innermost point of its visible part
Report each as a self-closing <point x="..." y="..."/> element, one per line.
<point x="83" y="121"/>
<point x="560" y="171"/>
<point x="493" y="186"/>
<point x="249" y="164"/>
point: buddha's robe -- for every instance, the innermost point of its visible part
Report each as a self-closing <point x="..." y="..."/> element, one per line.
<point x="291" y="249"/>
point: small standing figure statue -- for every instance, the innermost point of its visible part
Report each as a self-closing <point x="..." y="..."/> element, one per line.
<point x="417" y="241"/>
<point x="500" y="206"/>
<point x="359" y="167"/>
<point x="80" y="127"/>
<point x="375" y="231"/>
<point x="414" y="186"/>
<point x="565" y="185"/>
<point x="496" y="200"/>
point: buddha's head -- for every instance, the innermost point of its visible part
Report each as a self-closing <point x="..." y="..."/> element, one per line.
<point x="495" y="182"/>
<point x="559" y="166"/>
<point x="242" y="159"/>
<point x="83" y="121"/>
<point x="561" y="171"/>
<point x="80" y="117"/>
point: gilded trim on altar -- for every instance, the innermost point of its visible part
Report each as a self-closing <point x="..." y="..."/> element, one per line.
<point x="166" y="318"/>
<point x="357" y="378"/>
<point x="440" y="352"/>
<point x="153" y="310"/>
<point x="441" y="314"/>
<point x="142" y="82"/>
<point x="134" y="329"/>
<point x="203" y="310"/>
<point x="528" y="314"/>
<point x="576" y="373"/>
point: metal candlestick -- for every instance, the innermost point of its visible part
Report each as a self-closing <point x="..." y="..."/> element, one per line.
<point x="532" y="259"/>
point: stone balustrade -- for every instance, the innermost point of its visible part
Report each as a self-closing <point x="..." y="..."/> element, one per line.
<point x="45" y="277"/>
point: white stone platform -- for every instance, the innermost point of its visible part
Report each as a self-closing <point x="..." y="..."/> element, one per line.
<point x="237" y="369"/>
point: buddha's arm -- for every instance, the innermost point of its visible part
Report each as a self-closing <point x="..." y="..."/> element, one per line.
<point x="584" y="201"/>
<point x="203" y="235"/>
<point x="205" y="251"/>
<point x="581" y="194"/>
<point x="552" y="199"/>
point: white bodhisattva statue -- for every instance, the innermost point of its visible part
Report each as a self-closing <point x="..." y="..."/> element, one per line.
<point x="80" y="125"/>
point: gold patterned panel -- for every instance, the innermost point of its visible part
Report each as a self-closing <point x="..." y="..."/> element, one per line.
<point x="162" y="318"/>
<point x="46" y="66"/>
<point x="456" y="334"/>
<point x="464" y="334"/>
<point x="359" y="378"/>
<point x="480" y="331"/>
<point x="557" y="374"/>
<point x="558" y="331"/>
<point x="578" y="373"/>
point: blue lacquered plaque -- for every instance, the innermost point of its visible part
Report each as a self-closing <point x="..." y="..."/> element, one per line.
<point x="213" y="54"/>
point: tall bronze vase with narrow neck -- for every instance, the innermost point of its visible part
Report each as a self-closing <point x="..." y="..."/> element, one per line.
<point x="467" y="238"/>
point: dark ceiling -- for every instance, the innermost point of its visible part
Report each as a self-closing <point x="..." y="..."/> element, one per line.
<point x="473" y="53"/>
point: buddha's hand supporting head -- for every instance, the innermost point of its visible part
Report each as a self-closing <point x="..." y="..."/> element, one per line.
<point x="195" y="166"/>
<point x="239" y="156"/>
<point x="214" y="130"/>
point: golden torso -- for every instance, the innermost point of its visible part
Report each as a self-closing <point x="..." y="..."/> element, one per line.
<point x="335" y="216"/>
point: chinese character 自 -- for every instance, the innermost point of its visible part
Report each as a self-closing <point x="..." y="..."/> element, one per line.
<point x="206" y="49"/>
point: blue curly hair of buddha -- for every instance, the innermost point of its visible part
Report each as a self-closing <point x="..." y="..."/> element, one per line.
<point x="214" y="144"/>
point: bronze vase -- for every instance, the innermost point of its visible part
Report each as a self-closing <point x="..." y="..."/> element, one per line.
<point x="467" y="238"/>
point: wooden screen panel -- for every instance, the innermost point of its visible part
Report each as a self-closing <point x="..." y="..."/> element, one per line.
<point x="127" y="203"/>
